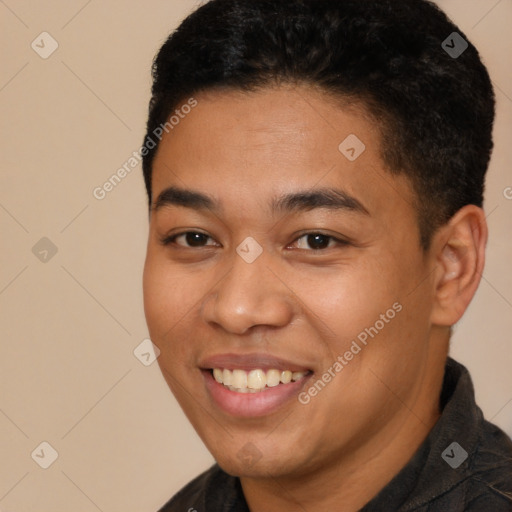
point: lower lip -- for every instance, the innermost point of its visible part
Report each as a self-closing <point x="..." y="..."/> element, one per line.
<point x="251" y="405"/>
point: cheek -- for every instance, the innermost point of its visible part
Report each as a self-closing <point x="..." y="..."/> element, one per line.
<point x="172" y="298"/>
<point x="370" y="318"/>
<point x="157" y="299"/>
<point x="167" y="298"/>
<point x="349" y="298"/>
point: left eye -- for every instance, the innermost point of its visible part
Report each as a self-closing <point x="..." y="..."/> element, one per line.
<point x="317" y="241"/>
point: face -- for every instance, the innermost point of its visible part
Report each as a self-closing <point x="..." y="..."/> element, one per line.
<point x="278" y="259"/>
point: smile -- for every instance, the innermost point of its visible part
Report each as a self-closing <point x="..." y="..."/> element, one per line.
<point x="255" y="381"/>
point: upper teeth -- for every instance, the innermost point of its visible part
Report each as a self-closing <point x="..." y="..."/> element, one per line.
<point x="240" y="380"/>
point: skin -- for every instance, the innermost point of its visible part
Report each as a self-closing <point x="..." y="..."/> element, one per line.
<point x="300" y="303"/>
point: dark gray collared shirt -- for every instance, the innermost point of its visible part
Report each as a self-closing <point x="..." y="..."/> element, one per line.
<point x="465" y="464"/>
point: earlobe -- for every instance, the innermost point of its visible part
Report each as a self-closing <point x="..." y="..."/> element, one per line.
<point x="460" y="262"/>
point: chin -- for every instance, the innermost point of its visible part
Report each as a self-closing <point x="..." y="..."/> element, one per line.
<point x="250" y="463"/>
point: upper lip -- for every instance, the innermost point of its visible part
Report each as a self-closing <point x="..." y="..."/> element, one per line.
<point x="250" y="362"/>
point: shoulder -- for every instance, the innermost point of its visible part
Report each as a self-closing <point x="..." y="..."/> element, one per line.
<point x="490" y="482"/>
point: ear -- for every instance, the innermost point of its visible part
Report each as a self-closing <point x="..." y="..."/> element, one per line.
<point x="460" y="256"/>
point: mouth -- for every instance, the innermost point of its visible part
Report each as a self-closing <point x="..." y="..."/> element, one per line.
<point x="255" y="381"/>
<point x="253" y="385"/>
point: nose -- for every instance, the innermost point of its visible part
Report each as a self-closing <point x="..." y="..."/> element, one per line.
<point x="249" y="295"/>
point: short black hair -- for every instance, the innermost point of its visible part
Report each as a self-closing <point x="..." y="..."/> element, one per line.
<point x="435" y="108"/>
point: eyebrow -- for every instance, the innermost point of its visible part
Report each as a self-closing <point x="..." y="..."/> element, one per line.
<point x="327" y="198"/>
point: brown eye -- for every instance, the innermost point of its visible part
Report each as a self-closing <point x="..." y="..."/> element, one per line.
<point x="190" y="239"/>
<point x="318" y="241"/>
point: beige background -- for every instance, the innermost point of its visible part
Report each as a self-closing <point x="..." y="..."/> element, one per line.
<point x="68" y="375"/>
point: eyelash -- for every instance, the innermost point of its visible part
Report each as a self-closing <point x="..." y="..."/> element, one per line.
<point x="169" y="240"/>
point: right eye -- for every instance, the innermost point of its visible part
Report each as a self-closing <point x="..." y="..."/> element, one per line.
<point x="192" y="238"/>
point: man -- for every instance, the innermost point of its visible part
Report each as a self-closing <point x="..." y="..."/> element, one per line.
<point x="315" y="173"/>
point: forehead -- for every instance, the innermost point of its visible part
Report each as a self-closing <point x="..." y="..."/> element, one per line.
<point x="243" y="148"/>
